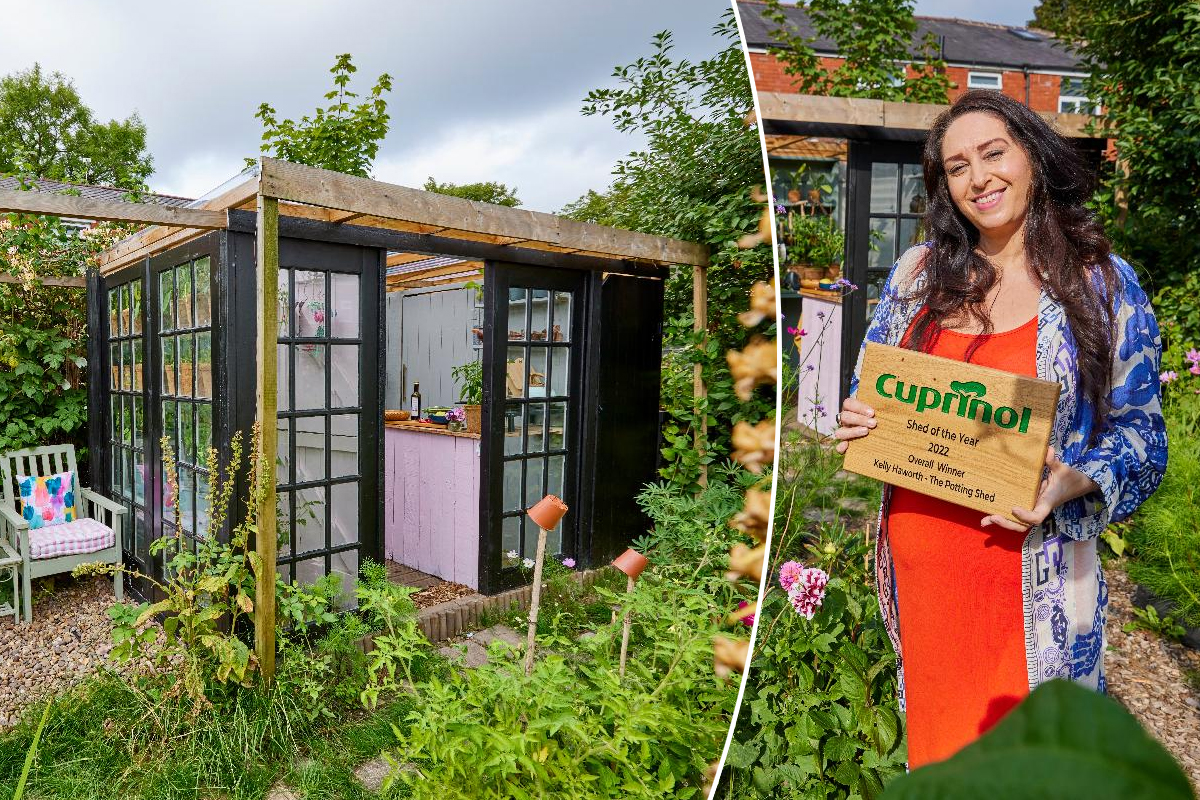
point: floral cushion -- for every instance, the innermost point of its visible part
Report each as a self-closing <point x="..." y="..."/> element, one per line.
<point x="48" y="500"/>
<point x="71" y="538"/>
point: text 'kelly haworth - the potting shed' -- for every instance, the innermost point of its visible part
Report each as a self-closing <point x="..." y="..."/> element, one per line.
<point x="316" y="300"/>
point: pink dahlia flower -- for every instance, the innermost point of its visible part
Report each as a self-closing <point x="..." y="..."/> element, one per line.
<point x="789" y="573"/>
<point x="748" y="621"/>
<point x="809" y="591"/>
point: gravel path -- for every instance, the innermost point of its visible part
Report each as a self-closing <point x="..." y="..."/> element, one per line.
<point x="1156" y="679"/>
<point x="67" y="640"/>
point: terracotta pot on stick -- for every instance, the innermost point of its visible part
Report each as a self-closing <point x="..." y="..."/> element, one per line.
<point x="631" y="562"/>
<point x="546" y="513"/>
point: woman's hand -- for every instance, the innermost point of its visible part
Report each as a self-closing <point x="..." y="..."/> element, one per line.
<point x="1063" y="483"/>
<point x="856" y="421"/>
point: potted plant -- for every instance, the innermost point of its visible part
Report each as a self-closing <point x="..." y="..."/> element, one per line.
<point x="470" y="376"/>
<point x="814" y="246"/>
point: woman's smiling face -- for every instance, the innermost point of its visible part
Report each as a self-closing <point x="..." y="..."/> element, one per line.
<point x="987" y="172"/>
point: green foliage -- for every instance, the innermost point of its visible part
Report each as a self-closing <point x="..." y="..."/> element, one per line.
<point x="813" y="239"/>
<point x="482" y="191"/>
<point x="1062" y="741"/>
<point x="1147" y="619"/>
<point x="342" y="137"/>
<point x="820" y="716"/>
<point x="47" y="131"/>
<point x="692" y="181"/>
<point x="470" y="375"/>
<point x="1164" y="534"/>
<point x="1144" y="59"/>
<point x="875" y="38"/>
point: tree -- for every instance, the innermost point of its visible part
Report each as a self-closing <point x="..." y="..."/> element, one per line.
<point x="692" y="181"/>
<point x="1055" y="16"/>
<point x="1144" y="60"/>
<point x="342" y="138"/>
<point x="483" y="191"/>
<point x="874" y="37"/>
<point x="46" y="131"/>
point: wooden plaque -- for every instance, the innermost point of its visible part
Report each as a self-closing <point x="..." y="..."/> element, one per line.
<point x="968" y="434"/>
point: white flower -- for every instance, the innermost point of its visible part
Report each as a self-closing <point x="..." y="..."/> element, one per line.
<point x="511" y="554"/>
<point x="527" y="563"/>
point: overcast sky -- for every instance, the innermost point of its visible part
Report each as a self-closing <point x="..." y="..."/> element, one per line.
<point x="484" y="90"/>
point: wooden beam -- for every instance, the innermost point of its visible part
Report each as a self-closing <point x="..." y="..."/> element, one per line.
<point x="267" y="251"/>
<point x="699" y="390"/>
<point x="65" y="205"/>
<point x="424" y="284"/>
<point x="433" y="272"/>
<point x="372" y="198"/>
<point x="67" y="283"/>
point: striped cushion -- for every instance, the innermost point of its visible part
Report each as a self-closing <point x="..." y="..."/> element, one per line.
<point x="70" y="538"/>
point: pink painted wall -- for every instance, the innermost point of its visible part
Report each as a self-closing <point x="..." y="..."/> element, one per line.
<point x="821" y="348"/>
<point x="431" y="503"/>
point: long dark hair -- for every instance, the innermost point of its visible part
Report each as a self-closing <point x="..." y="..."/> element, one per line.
<point x="1065" y="245"/>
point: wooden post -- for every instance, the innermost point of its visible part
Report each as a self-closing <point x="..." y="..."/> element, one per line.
<point x="699" y="390"/>
<point x="535" y="600"/>
<point x="625" y="628"/>
<point x="267" y="243"/>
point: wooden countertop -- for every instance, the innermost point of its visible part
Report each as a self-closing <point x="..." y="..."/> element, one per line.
<point x="819" y="294"/>
<point x="428" y="427"/>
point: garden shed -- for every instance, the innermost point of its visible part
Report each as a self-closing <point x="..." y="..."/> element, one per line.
<point x="269" y="300"/>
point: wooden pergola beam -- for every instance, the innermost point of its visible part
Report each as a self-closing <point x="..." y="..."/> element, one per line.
<point x="66" y="283"/>
<point x="425" y="284"/>
<point x="65" y="205"/>
<point x="335" y="190"/>
<point x="434" y="272"/>
<point x="266" y="413"/>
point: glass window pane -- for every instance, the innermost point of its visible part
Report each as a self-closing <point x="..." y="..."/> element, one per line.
<point x="168" y="498"/>
<point x="126" y="476"/>
<point x="537" y="371"/>
<point x="310" y="519"/>
<point x="539" y="323"/>
<point x="139" y="479"/>
<point x="187" y="499"/>
<point x="185" y="345"/>
<point x="514" y="428"/>
<point x="310" y="375"/>
<point x="912" y="198"/>
<point x="169" y="384"/>
<point x="310" y="449"/>
<point x="516" y="314"/>
<point x="536" y="438"/>
<point x="166" y="300"/>
<point x="183" y="294"/>
<point x="204" y="364"/>
<point x="533" y="482"/>
<point x="114" y="416"/>
<point x="310" y="570"/>
<point x="283" y="452"/>
<point x="114" y="361"/>
<point x="139" y="536"/>
<point x="310" y="317"/>
<point x="118" y="462"/>
<point x="187" y="432"/>
<point x="139" y="424"/>
<point x="514" y="380"/>
<point x="124" y="324"/>
<point x="344" y="378"/>
<point x="343" y="301"/>
<point x="883" y="244"/>
<point x="557" y="426"/>
<point x="283" y="369"/>
<point x="910" y="234"/>
<point x="170" y="429"/>
<point x="531" y="537"/>
<point x="343" y="445"/>
<point x="203" y="504"/>
<point x="560" y="371"/>
<point x="510" y="541"/>
<point x="135" y="307"/>
<point x="127" y="420"/>
<point x="203" y="293"/>
<point x="203" y="432"/>
<point x="883" y="188"/>
<point x="114" y="312"/>
<point x="139" y="353"/>
<point x="345" y="566"/>
<point x="512" y="485"/>
<point x="283" y="523"/>
<point x="562" y="317"/>
<point x="343" y="514"/>
<point x="127" y="366"/>
<point x="284" y="304"/>
<point x="555" y="470"/>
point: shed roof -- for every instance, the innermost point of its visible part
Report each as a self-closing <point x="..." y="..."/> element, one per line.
<point x="967" y="42"/>
<point x="110" y="193"/>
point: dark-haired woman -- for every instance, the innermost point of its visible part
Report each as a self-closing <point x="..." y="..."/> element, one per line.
<point x="1016" y="275"/>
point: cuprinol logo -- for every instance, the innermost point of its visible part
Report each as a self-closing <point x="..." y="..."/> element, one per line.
<point x="965" y="397"/>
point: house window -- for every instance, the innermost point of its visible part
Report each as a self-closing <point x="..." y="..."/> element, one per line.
<point x="1073" y="99"/>
<point x="984" y="80"/>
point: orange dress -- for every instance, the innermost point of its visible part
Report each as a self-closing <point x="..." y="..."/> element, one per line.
<point x="958" y="587"/>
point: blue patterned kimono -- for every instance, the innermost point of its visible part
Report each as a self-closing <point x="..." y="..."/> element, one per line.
<point x="1063" y="589"/>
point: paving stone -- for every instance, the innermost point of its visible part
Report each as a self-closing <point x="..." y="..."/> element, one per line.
<point x="472" y="656"/>
<point x="501" y="633"/>
<point x="281" y="791"/>
<point x="855" y="505"/>
<point x="372" y="773"/>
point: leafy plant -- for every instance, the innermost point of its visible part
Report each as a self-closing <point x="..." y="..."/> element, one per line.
<point x="1147" y="619"/>
<point x="875" y="39"/>
<point x="1064" y="740"/>
<point x="813" y="239"/>
<point x="470" y="375"/>
<point x="341" y="137"/>
<point x="482" y="191"/>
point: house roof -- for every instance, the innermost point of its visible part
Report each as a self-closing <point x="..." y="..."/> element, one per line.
<point x="966" y="42"/>
<point x="12" y="183"/>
